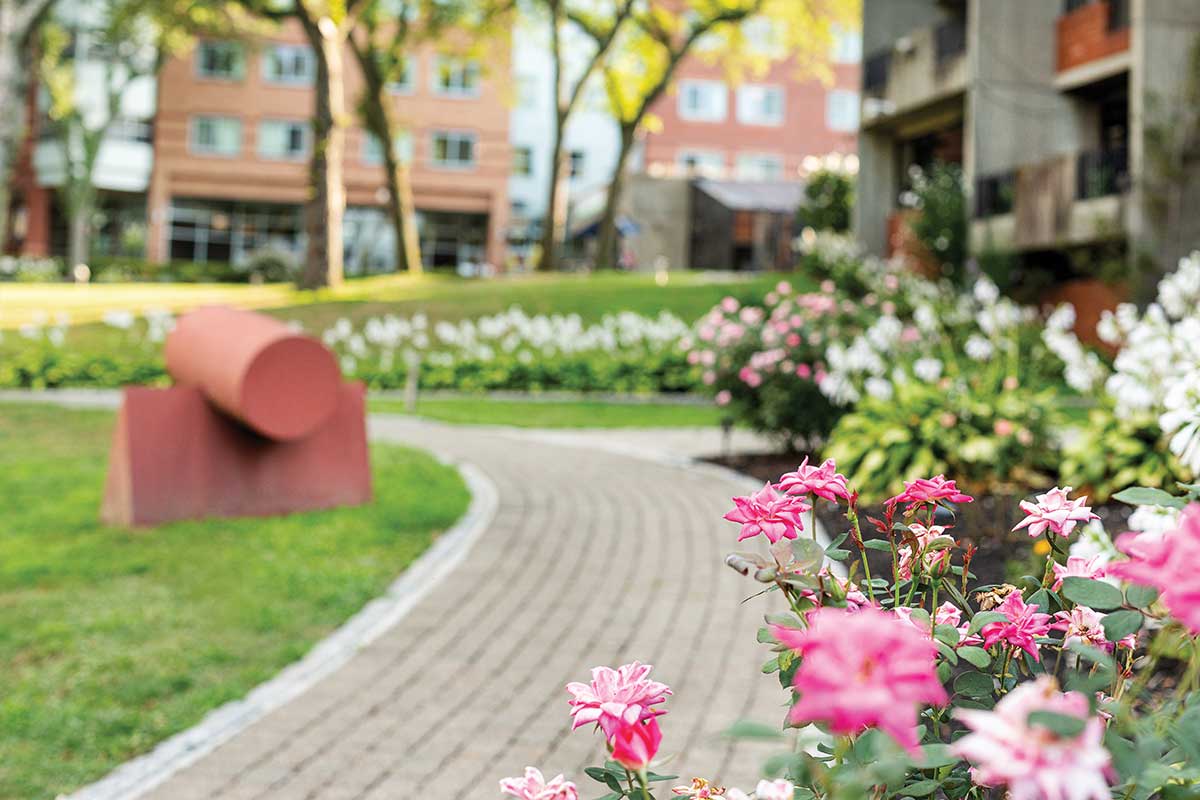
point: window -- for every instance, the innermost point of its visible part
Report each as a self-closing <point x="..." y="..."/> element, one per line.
<point x="289" y="64"/>
<point x="522" y="160"/>
<point x="216" y="136"/>
<point x="280" y="139"/>
<point x="372" y="154"/>
<point x="847" y="46"/>
<point x="701" y="163"/>
<point x="456" y="77"/>
<point x="759" y="167"/>
<point x="407" y="80"/>
<point x="703" y="101"/>
<point x="577" y="163"/>
<point x="451" y="149"/>
<point x="760" y="105"/>
<point x="765" y="37"/>
<point x="841" y="110"/>
<point x="221" y="60"/>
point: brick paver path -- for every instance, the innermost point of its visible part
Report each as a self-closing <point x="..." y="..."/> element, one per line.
<point x="593" y="558"/>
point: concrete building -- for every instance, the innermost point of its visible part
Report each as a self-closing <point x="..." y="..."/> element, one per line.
<point x="1051" y="107"/>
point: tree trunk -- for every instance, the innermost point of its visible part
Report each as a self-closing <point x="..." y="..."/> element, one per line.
<point x="608" y="239"/>
<point x="12" y="100"/>
<point x="556" y="205"/>
<point x="404" y="215"/>
<point x="79" y="235"/>
<point x="327" y="203"/>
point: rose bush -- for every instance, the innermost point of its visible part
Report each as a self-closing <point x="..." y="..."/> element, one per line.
<point x="1079" y="685"/>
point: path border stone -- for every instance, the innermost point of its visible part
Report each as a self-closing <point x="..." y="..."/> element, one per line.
<point x="134" y="778"/>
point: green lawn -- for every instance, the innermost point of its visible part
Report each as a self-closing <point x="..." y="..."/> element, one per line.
<point x="112" y="640"/>
<point x="558" y="414"/>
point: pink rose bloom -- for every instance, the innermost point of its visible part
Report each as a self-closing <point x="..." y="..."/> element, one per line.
<point x="1056" y="512"/>
<point x="792" y="340"/>
<point x="693" y="357"/>
<point x="729" y="305"/>
<point x="723" y="397"/>
<point x="1025" y="623"/>
<point x="775" y="790"/>
<point x="910" y="334"/>
<point x="891" y="282"/>
<point x="1003" y="427"/>
<point x="804" y="371"/>
<point x="930" y="490"/>
<point x="1078" y="567"/>
<point x="783" y="287"/>
<point x="771" y="298"/>
<point x="616" y="696"/>
<point x="823" y="481"/>
<point x="1030" y="760"/>
<point x="1168" y="563"/>
<point x="931" y="560"/>
<point x="535" y="787"/>
<point x="750" y="377"/>
<point x="888" y="308"/>
<point x="1082" y="624"/>
<point x="855" y="598"/>
<point x="827" y="286"/>
<point x="709" y="377"/>
<point x="635" y="744"/>
<point x="774" y="515"/>
<point x="863" y="669"/>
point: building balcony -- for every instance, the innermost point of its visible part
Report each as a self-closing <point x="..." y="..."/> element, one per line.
<point x="920" y="70"/>
<point x="1093" y="42"/>
<point x="1068" y="200"/>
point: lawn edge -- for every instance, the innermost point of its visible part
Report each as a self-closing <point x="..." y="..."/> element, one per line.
<point x="138" y="776"/>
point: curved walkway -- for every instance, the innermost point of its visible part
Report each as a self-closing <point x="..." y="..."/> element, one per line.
<point x="595" y="556"/>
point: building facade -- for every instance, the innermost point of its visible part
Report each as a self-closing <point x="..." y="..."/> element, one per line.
<point x="1052" y="109"/>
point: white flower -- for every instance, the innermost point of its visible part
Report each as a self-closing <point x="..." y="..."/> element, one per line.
<point x="978" y="348"/>
<point x="986" y="292"/>
<point x="879" y="388"/>
<point x="119" y="318"/>
<point x="928" y="369"/>
<point x="1154" y="519"/>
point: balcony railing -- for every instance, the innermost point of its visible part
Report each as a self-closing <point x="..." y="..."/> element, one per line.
<point x="875" y="72"/>
<point x="995" y="194"/>
<point x="1118" y="15"/>
<point x="950" y="40"/>
<point x="1101" y="172"/>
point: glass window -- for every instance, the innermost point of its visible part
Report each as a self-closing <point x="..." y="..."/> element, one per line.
<point x="221" y="60"/>
<point x="407" y="79"/>
<point x="847" y="46"/>
<point x="372" y="154"/>
<point x="455" y="77"/>
<point x="703" y="101"/>
<point x="578" y="163"/>
<point x="214" y="135"/>
<point x="289" y="64"/>
<point x="759" y="167"/>
<point x="283" y="139"/>
<point x="522" y="160"/>
<point x="759" y="104"/>
<point x="701" y="163"/>
<point x="841" y="110"/>
<point x="453" y="149"/>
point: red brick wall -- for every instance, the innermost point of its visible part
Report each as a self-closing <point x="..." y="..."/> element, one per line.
<point x="1083" y="36"/>
<point x="803" y="133"/>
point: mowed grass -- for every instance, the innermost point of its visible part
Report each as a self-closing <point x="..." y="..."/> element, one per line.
<point x="112" y="640"/>
<point x="687" y="294"/>
<point x="558" y="414"/>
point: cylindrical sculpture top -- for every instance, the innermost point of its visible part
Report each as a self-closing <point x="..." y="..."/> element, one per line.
<point x="281" y="383"/>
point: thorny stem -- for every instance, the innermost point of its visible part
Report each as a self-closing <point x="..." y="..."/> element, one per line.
<point x="933" y="607"/>
<point x="1004" y="671"/>
<point x="641" y="778"/>
<point x="812" y="515"/>
<point x="852" y="515"/>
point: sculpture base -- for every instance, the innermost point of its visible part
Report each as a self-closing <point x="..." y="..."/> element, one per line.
<point x="176" y="457"/>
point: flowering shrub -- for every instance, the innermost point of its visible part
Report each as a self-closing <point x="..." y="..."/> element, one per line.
<point x="1147" y="425"/>
<point x="512" y="350"/>
<point x="911" y="684"/>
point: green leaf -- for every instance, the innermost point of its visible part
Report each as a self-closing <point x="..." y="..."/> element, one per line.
<point x="746" y="729"/>
<point x="947" y="634"/>
<point x="1092" y="654"/>
<point x="654" y="777"/>
<point x="771" y="665"/>
<point x="936" y="755"/>
<point x="920" y="788"/>
<point x="1120" y="624"/>
<point x="985" y="618"/>
<point x="1097" y="595"/>
<point x="975" y="656"/>
<point x="1140" y="596"/>
<point x="1063" y="725"/>
<point x="808" y="554"/>
<point x="1143" y="496"/>
<point x="1041" y="599"/>
<point x="974" y="684"/>
<point x="877" y="544"/>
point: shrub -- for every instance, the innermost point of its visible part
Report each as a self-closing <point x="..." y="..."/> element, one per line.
<point x="828" y="201"/>
<point x="24" y="269"/>
<point x="942" y="224"/>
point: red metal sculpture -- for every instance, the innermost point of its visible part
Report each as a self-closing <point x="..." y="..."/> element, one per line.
<point x="259" y="422"/>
